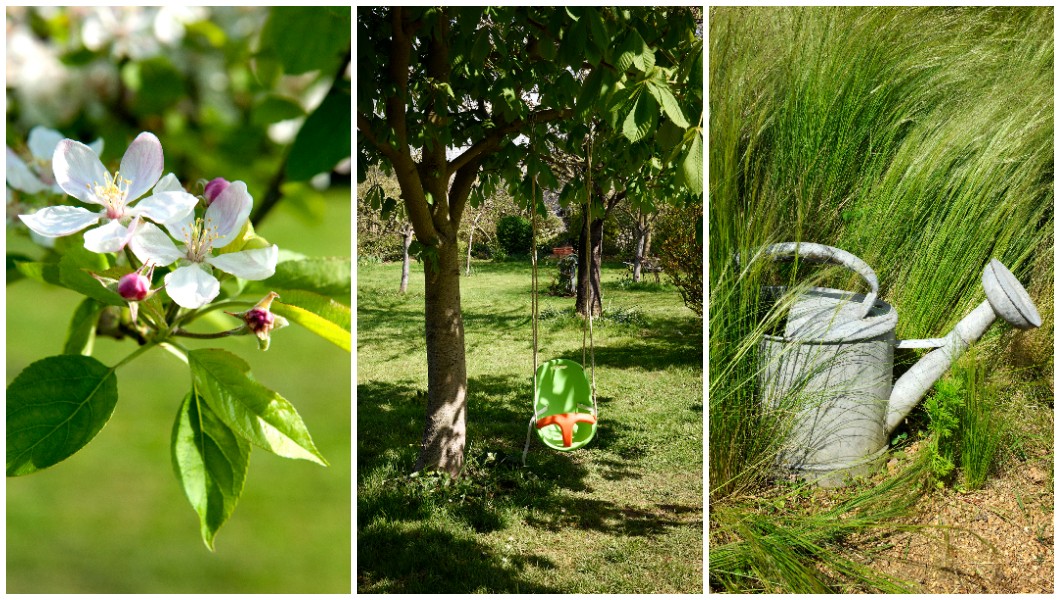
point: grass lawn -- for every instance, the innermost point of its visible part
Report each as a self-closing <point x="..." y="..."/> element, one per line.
<point x="114" y="519"/>
<point x="624" y="514"/>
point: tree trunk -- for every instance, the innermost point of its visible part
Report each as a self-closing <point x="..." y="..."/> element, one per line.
<point x="444" y="433"/>
<point x="405" y="260"/>
<point x="642" y="247"/>
<point x="589" y="266"/>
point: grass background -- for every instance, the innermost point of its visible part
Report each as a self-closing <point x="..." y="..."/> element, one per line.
<point x="114" y="519"/>
<point x="623" y="514"/>
<point x="918" y="139"/>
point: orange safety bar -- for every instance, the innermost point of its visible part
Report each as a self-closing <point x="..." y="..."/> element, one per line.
<point x="566" y="423"/>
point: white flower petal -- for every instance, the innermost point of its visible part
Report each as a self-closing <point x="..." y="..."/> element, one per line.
<point x="42" y="142"/>
<point x="191" y="286"/>
<point x="56" y="221"/>
<point x="20" y="177"/>
<point x="164" y="207"/>
<point x="78" y="170"/>
<point x="182" y="227"/>
<point x="149" y="243"/>
<point x="46" y="242"/>
<point x="169" y="183"/>
<point x="97" y="146"/>
<point x="109" y="237"/>
<point x="256" y="264"/>
<point x="142" y="165"/>
<point x="228" y="212"/>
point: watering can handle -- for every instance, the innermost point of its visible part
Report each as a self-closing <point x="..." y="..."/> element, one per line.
<point x="822" y="253"/>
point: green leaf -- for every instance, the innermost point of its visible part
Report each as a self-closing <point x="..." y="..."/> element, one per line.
<point x="308" y="38"/>
<point x="43" y="272"/>
<point x="645" y="60"/>
<point x="275" y="108"/>
<point x="75" y="268"/>
<point x="641" y="119"/>
<point x="328" y="276"/>
<point x="54" y="407"/>
<point x="692" y="166"/>
<point x="211" y="463"/>
<point x="669" y="104"/>
<point x="630" y="48"/>
<point x="256" y="413"/>
<point x="13" y="274"/>
<point x="319" y="314"/>
<point x="82" y="331"/>
<point x="317" y="148"/>
<point x="589" y="95"/>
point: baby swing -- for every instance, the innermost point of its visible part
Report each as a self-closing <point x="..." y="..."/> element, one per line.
<point x="565" y="413"/>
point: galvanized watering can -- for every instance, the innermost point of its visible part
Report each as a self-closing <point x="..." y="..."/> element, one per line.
<point x="833" y="365"/>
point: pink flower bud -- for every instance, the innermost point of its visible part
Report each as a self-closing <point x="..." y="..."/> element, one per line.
<point x="214" y="188"/>
<point x="259" y="320"/>
<point x="134" y="287"/>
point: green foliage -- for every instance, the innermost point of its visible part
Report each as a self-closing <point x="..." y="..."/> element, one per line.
<point x="308" y="38"/>
<point x="319" y="314"/>
<point x="317" y="149"/>
<point x="679" y="244"/>
<point x="328" y="276"/>
<point x="55" y="407"/>
<point x="983" y="426"/>
<point x="943" y="410"/>
<point x="82" y="331"/>
<point x="211" y="463"/>
<point x="514" y="234"/>
<point x="253" y="411"/>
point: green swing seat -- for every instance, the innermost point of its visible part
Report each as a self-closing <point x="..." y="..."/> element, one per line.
<point x="563" y="405"/>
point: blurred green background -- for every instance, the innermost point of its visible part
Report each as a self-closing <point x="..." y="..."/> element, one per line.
<point x="229" y="96"/>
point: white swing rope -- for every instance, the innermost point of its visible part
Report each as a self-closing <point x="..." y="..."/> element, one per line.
<point x="589" y="272"/>
<point x="534" y="288"/>
<point x="533" y="298"/>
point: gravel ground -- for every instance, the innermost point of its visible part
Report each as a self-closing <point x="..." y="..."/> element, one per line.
<point x="998" y="539"/>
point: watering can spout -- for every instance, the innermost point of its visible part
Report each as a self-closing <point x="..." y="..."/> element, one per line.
<point x="1006" y="298"/>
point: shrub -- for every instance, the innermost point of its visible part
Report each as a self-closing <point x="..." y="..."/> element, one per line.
<point x="514" y="235"/>
<point x="680" y="249"/>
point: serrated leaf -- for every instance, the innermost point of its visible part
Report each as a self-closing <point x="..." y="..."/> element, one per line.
<point x="629" y="49"/>
<point x="692" y="165"/>
<point x="319" y="314"/>
<point x="317" y="148"/>
<point x="645" y="59"/>
<point x="210" y="462"/>
<point x="54" y="408"/>
<point x="641" y="119"/>
<point x="669" y="104"/>
<point x="256" y="413"/>
<point x="328" y="276"/>
<point x="82" y="331"/>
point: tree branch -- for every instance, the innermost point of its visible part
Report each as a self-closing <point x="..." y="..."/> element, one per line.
<point x="491" y="142"/>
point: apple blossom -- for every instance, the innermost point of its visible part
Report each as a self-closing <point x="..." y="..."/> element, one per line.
<point x="79" y="172"/>
<point x="193" y="284"/>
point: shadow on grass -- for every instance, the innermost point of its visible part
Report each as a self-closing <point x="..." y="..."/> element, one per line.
<point x="426" y="559"/>
<point x="609" y="518"/>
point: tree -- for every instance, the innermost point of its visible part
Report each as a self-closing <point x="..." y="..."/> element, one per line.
<point x="472" y="79"/>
